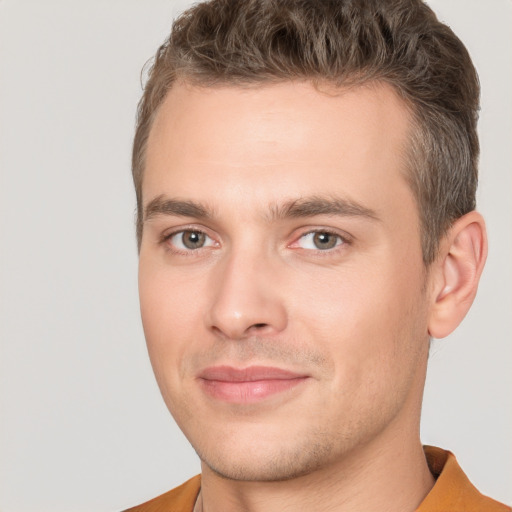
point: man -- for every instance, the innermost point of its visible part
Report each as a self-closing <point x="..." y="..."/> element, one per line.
<point x="305" y="175"/>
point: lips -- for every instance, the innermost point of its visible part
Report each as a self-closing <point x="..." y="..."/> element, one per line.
<point x="248" y="385"/>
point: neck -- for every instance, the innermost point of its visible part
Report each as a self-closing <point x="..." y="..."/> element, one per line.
<point x="390" y="476"/>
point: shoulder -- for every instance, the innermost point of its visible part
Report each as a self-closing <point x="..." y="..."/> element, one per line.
<point x="180" y="499"/>
<point x="453" y="491"/>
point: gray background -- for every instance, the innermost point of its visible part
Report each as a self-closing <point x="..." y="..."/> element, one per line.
<point x="83" y="427"/>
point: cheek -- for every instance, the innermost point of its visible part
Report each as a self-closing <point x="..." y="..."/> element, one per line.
<point x="171" y="319"/>
<point x="170" y="310"/>
<point x="365" y="318"/>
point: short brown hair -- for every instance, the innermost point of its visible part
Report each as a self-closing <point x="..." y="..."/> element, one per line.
<point x="341" y="42"/>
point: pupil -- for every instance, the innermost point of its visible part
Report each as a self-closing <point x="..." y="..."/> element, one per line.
<point x="324" y="240"/>
<point x="193" y="239"/>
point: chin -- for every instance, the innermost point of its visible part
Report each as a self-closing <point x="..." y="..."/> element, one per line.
<point x="269" y="462"/>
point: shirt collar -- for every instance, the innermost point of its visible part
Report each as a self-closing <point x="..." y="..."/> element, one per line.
<point x="453" y="491"/>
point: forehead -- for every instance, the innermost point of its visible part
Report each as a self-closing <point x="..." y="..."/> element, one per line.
<point x="290" y="139"/>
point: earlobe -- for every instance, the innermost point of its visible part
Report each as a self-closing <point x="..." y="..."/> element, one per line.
<point x="459" y="266"/>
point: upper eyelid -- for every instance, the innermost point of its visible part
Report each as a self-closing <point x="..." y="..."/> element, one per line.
<point x="169" y="233"/>
<point x="332" y="231"/>
<point x="329" y="231"/>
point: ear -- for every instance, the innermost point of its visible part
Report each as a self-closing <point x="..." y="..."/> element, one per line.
<point x="456" y="273"/>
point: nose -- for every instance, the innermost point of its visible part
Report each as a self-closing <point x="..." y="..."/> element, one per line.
<point x="247" y="299"/>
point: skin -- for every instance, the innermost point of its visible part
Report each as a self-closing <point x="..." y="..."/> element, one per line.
<point x="352" y="320"/>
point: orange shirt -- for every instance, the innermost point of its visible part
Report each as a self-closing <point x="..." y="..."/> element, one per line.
<point x="180" y="499"/>
<point x="452" y="492"/>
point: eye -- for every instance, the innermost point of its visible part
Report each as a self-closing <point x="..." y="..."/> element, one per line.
<point x="189" y="240"/>
<point x="320" y="240"/>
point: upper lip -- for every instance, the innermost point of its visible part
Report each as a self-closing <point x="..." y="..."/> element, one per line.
<point x="249" y="374"/>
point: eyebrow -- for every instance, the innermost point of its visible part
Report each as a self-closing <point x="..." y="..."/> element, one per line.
<point x="316" y="205"/>
<point x="162" y="205"/>
<point x="296" y="208"/>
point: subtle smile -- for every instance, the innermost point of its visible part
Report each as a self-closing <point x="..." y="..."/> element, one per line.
<point x="247" y="385"/>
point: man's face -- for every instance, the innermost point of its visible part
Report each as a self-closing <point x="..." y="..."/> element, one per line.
<point x="281" y="278"/>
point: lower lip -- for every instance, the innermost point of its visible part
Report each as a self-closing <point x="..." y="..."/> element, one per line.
<point x="249" y="391"/>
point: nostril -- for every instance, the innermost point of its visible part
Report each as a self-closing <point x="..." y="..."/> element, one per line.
<point x="259" y="326"/>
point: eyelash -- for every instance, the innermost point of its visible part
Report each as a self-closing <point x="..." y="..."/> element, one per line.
<point x="190" y="252"/>
<point x="345" y="240"/>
